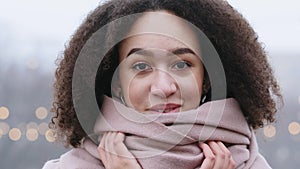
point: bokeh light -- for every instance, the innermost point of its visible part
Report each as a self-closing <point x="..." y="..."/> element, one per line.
<point x="4" y="113"/>
<point x="15" y="134"/>
<point x="31" y="125"/>
<point x="4" y="127"/>
<point x="41" y="113"/>
<point x="50" y="135"/>
<point x="269" y="131"/>
<point x="294" y="128"/>
<point x="32" y="134"/>
<point x="42" y="128"/>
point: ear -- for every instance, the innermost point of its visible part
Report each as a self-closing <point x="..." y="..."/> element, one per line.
<point x="116" y="90"/>
<point x="206" y="83"/>
<point x="205" y="86"/>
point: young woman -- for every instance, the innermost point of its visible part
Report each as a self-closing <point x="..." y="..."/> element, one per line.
<point x="191" y="80"/>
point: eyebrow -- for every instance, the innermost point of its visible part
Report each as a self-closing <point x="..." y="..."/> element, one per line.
<point x="176" y="51"/>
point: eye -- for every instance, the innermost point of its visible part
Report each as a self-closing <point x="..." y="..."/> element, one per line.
<point x="181" y="65"/>
<point x="141" y="67"/>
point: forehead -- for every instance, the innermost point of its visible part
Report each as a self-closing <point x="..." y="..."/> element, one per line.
<point x="152" y="41"/>
<point x="160" y="30"/>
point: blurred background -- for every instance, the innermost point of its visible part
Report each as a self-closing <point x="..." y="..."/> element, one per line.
<point x="33" y="34"/>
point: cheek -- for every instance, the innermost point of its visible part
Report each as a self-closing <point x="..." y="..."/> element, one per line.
<point x="134" y="89"/>
<point x="136" y="94"/>
<point x="191" y="90"/>
<point x="191" y="83"/>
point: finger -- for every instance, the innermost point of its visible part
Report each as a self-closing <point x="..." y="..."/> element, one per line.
<point x="106" y="150"/>
<point x="209" y="159"/>
<point x="219" y="154"/>
<point x="110" y="150"/>
<point x="101" y="149"/>
<point x="121" y="154"/>
<point x="109" y="142"/>
<point x="232" y="163"/>
<point x="110" y="154"/>
<point x="115" y="146"/>
<point x="229" y="163"/>
<point x="120" y="147"/>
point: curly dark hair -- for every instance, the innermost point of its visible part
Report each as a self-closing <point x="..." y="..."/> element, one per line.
<point x="249" y="77"/>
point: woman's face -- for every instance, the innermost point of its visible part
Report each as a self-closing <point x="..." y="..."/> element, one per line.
<point x="157" y="73"/>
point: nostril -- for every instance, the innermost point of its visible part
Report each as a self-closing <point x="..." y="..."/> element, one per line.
<point x="158" y="92"/>
<point x="163" y="91"/>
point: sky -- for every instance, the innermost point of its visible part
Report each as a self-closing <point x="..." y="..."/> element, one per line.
<point x="277" y="22"/>
<point x="34" y="32"/>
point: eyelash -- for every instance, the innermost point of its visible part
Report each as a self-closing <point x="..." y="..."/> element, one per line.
<point x="149" y="68"/>
<point x="135" y="67"/>
<point x="187" y="65"/>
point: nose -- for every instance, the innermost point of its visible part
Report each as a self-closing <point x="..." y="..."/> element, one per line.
<point x="163" y="85"/>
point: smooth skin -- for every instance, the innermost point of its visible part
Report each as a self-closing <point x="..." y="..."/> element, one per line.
<point x="166" y="70"/>
<point x="114" y="154"/>
<point x="159" y="79"/>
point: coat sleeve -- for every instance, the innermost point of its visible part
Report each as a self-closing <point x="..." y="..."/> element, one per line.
<point x="52" y="164"/>
<point x="75" y="159"/>
<point x="260" y="163"/>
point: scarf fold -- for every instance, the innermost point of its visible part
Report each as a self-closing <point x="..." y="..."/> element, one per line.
<point x="170" y="140"/>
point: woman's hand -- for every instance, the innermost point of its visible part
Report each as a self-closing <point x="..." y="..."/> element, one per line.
<point x="217" y="156"/>
<point x="114" y="154"/>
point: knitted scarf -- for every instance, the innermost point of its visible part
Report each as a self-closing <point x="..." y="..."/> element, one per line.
<point x="170" y="140"/>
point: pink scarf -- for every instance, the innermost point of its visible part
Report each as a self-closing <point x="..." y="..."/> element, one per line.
<point x="170" y="141"/>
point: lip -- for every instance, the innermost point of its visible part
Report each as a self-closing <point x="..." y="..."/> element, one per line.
<point x="165" y="108"/>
